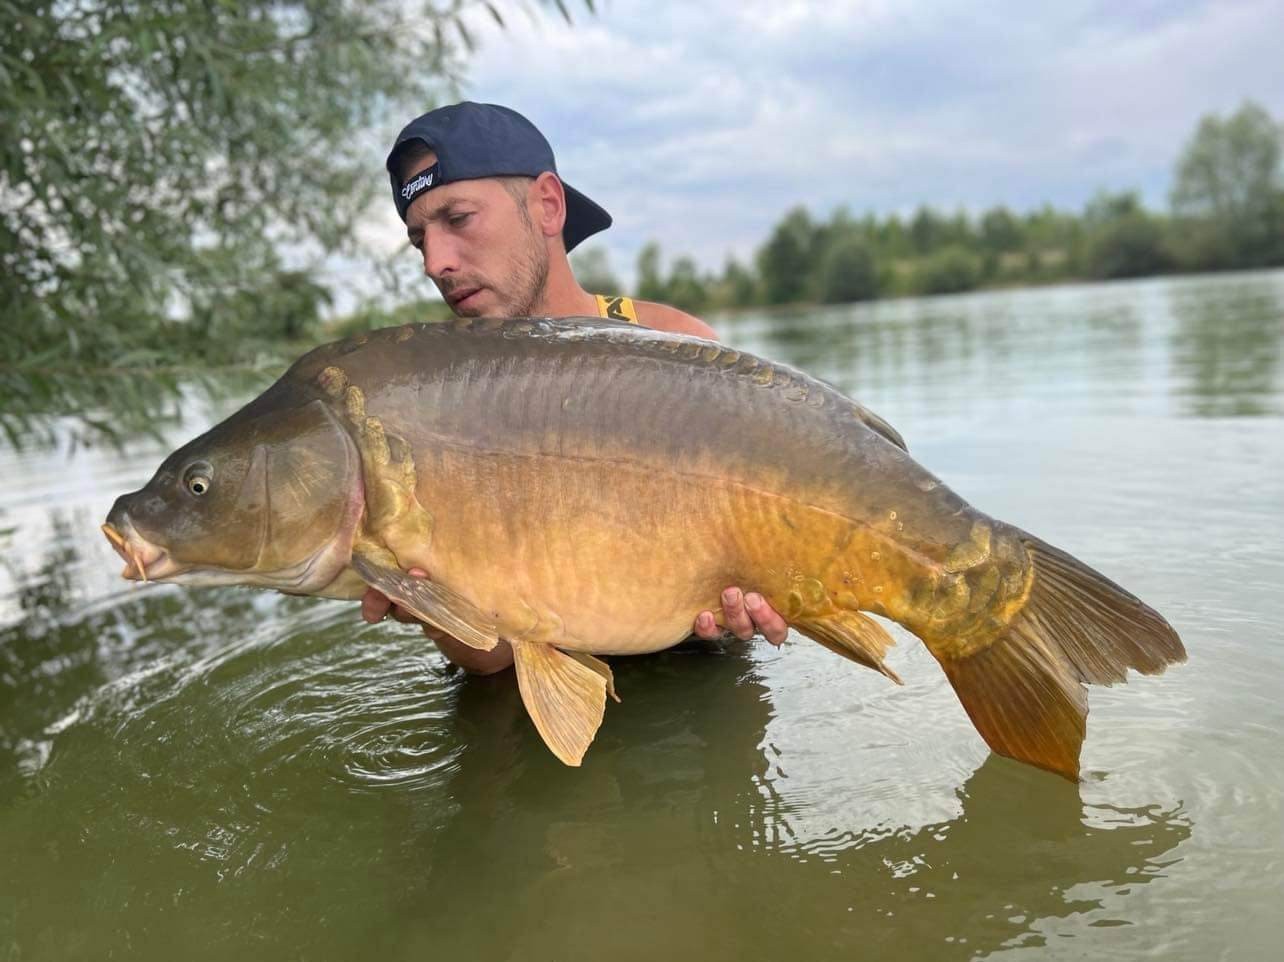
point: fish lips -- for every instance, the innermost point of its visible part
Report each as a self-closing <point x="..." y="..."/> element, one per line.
<point x="144" y="560"/>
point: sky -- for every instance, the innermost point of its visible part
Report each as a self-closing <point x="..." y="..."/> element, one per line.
<point x="698" y="125"/>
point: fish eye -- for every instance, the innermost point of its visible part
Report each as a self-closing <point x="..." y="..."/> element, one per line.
<point x="198" y="478"/>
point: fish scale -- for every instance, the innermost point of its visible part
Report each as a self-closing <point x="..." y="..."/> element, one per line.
<point x="581" y="488"/>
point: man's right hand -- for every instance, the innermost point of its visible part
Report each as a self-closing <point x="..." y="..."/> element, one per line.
<point x="375" y="606"/>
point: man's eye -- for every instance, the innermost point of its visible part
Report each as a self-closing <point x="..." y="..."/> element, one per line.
<point x="459" y="220"/>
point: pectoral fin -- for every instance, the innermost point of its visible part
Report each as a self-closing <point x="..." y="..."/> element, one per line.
<point x="430" y="602"/>
<point x="854" y="636"/>
<point x="564" y="694"/>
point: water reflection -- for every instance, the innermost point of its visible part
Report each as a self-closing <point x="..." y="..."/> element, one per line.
<point x="390" y="807"/>
<point x="223" y="793"/>
<point x="974" y="355"/>
<point x="1226" y="369"/>
<point x="671" y="838"/>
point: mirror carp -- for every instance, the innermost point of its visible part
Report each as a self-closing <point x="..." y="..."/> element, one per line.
<point x="582" y="488"/>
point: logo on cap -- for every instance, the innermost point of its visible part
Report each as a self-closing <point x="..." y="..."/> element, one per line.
<point x="421" y="182"/>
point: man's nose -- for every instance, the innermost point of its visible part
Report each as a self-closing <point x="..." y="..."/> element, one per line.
<point x="441" y="257"/>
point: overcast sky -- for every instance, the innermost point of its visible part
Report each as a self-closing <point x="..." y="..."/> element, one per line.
<point x="699" y="124"/>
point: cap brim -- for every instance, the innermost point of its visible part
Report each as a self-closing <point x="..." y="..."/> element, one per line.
<point x="584" y="218"/>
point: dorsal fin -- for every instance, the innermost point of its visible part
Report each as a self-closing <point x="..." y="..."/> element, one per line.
<point x="878" y="425"/>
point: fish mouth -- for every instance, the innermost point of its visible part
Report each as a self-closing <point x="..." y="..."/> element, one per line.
<point x="144" y="561"/>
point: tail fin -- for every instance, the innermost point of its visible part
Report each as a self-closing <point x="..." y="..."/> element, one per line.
<point x="1024" y="692"/>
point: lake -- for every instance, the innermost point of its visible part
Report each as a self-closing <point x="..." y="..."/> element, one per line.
<point x="224" y="773"/>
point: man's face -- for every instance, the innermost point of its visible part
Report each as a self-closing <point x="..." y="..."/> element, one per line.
<point x="480" y="245"/>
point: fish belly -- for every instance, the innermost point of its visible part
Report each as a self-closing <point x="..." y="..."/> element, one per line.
<point x="613" y="557"/>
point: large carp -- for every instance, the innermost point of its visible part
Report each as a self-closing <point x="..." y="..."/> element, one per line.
<point x="583" y="488"/>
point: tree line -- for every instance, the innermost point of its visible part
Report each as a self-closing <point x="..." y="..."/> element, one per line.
<point x="1226" y="212"/>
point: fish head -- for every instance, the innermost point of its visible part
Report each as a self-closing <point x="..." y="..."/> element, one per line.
<point x="271" y="497"/>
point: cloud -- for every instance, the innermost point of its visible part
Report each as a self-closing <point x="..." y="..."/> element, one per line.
<point x="699" y="128"/>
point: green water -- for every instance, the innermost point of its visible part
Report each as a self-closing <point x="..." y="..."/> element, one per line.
<point x="228" y="774"/>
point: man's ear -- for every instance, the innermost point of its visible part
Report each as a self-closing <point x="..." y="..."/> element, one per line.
<point x="550" y="204"/>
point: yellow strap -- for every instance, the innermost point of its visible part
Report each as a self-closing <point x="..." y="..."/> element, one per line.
<point x="616" y="308"/>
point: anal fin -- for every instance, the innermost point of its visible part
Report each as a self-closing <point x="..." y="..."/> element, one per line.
<point x="854" y="636"/>
<point x="599" y="666"/>
<point x="565" y="695"/>
<point x="430" y="602"/>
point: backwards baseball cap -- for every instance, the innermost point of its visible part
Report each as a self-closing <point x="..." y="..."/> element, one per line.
<point x="485" y="140"/>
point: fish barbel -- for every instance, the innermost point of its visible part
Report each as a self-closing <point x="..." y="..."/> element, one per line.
<point x="581" y="488"/>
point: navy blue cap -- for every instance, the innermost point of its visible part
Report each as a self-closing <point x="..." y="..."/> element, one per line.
<point x="485" y="140"/>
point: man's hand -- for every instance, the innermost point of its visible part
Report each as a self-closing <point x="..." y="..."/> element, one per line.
<point x="744" y="614"/>
<point x="375" y="606"/>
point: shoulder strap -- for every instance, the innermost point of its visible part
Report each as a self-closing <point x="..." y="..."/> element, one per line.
<point x="616" y="308"/>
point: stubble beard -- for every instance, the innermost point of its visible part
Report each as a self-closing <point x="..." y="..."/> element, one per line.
<point x="529" y="280"/>
<point x="522" y="292"/>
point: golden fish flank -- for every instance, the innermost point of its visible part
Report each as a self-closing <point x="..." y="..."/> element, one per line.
<point x="582" y="488"/>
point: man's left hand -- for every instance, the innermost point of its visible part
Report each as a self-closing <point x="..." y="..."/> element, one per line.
<point x="744" y="615"/>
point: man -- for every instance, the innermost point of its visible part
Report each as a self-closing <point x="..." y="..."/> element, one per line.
<point x="477" y="187"/>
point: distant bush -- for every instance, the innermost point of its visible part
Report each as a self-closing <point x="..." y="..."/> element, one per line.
<point x="847" y="272"/>
<point x="592" y="267"/>
<point x="686" y="289"/>
<point x="738" y="286"/>
<point x="1133" y="246"/>
<point x="948" y="271"/>
<point x="786" y="259"/>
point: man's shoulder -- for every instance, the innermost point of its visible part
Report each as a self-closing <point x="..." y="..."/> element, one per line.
<point x="662" y="317"/>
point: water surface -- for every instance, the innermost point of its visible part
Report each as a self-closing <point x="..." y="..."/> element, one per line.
<point x="222" y="773"/>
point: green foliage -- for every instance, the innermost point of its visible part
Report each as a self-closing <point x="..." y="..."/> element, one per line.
<point x="651" y="286"/>
<point x="785" y="261"/>
<point x="847" y="271"/>
<point x="284" y="306"/>
<point x="1131" y="247"/>
<point x="686" y="289"/>
<point x="738" y="286"/>
<point x="1001" y="231"/>
<point x="891" y="237"/>
<point x="1048" y="229"/>
<point x="1123" y="239"/>
<point x="925" y="230"/>
<point x="592" y="268"/>
<point x="1230" y="190"/>
<point x="156" y="157"/>
<point x="949" y="271"/>
<point x="930" y="231"/>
